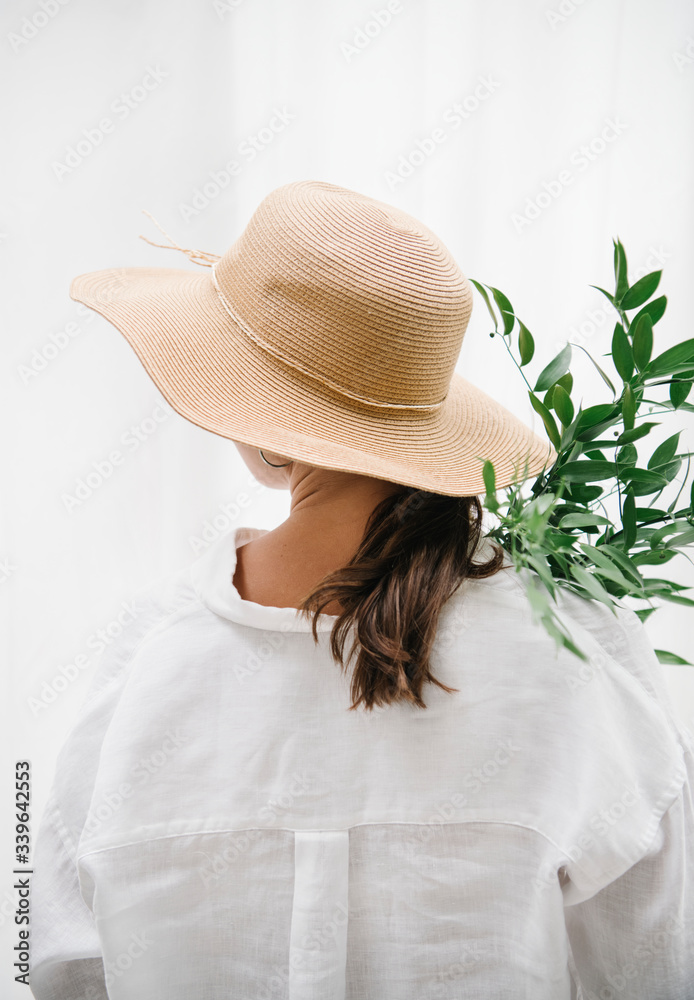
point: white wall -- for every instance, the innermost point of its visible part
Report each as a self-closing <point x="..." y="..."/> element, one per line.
<point x="547" y="83"/>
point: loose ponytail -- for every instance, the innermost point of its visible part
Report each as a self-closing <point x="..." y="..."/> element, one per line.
<point x="416" y="550"/>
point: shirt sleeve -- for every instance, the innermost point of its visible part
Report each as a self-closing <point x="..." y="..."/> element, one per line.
<point x="66" y="956"/>
<point x="66" y="950"/>
<point x="635" y="936"/>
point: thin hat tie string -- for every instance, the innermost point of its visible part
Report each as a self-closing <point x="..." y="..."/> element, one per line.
<point x="201" y="257"/>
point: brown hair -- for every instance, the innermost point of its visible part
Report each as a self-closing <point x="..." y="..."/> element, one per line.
<point x="416" y="550"/>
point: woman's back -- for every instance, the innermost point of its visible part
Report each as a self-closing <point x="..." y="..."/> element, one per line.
<point x="221" y="825"/>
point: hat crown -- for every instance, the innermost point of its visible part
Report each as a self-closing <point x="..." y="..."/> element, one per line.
<point x="350" y="290"/>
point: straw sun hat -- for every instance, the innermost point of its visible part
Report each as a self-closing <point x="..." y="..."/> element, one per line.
<point x="328" y="333"/>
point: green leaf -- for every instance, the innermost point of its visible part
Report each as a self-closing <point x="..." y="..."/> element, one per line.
<point x="670" y="470"/>
<point x="605" y="442"/>
<point x="606" y="294"/>
<point x="649" y="514"/>
<point x="642" y="336"/>
<point x="628" y="407"/>
<point x="654" y="309"/>
<point x="607" y="566"/>
<point x="561" y="402"/>
<point x="591" y="584"/>
<point x="566" y="382"/>
<point x="627" y="454"/>
<point x="636" y="432"/>
<point x="592" y="432"/>
<point x="655" y="557"/>
<point x="603" y="376"/>
<point x="620" y="271"/>
<point x="542" y="569"/>
<point x="547" y="419"/>
<point x="584" y="494"/>
<point x="665" y="452"/>
<point x="483" y="292"/>
<point x="677" y="371"/>
<point x="629" y="520"/>
<point x="557" y="367"/>
<point x="489" y="477"/>
<point x="621" y="353"/>
<point x="680" y="390"/>
<point x="581" y="520"/>
<point x="682" y="538"/>
<point x="526" y="344"/>
<point x="688" y="407"/>
<point x="665" y="657"/>
<point x="626" y="562"/>
<point x="641" y="290"/>
<point x="587" y="472"/>
<point x="679" y="354"/>
<point x="642" y="476"/>
<point x="505" y="308"/>
<point x="676" y="527"/>
<point x="677" y="599"/>
<point x="656" y="583"/>
<point x="594" y="415"/>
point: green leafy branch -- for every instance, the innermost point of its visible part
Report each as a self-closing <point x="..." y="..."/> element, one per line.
<point x="545" y="533"/>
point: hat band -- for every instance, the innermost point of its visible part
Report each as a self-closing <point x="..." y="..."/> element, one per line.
<point x="319" y="378"/>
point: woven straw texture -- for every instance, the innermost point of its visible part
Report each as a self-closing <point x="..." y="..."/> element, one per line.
<point x="329" y="333"/>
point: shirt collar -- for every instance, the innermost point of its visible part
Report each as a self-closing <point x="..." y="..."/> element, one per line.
<point x="212" y="575"/>
<point x="213" y="572"/>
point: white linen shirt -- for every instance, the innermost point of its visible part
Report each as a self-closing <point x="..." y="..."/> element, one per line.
<point x="220" y="825"/>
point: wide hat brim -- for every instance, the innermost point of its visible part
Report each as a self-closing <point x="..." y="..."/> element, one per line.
<point x="212" y="373"/>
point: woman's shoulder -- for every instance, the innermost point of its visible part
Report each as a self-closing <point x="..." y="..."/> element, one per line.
<point x="496" y="617"/>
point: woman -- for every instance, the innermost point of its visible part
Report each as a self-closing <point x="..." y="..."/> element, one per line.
<point x="338" y="759"/>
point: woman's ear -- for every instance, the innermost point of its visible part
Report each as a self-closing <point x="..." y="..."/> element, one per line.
<point x="275" y="479"/>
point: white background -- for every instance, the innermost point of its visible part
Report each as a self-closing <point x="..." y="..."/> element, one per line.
<point x="537" y="81"/>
